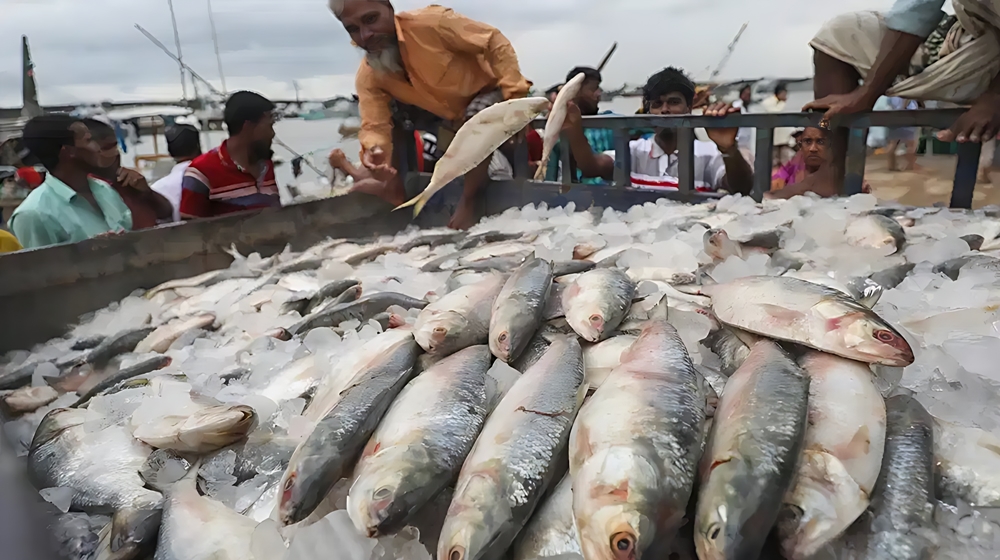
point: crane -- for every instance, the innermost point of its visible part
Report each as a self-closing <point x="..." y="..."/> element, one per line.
<point x="729" y="53"/>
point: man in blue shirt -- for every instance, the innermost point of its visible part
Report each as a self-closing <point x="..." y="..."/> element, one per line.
<point x="600" y="139"/>
<point x="960" y="65"/>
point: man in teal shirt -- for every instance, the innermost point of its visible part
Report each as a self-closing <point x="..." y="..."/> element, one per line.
<point x="600" y="139"/>
<point x="69" y="206"/>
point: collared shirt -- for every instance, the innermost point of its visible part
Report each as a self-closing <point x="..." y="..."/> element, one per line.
<point x="214" y="185"/>
<point x="654" y="169"/>
<point x="54" y="213"/>
<point x="170" y="187"/>
<point x="916" y="17"/>
<point x="600" y="139"/>
<point x="449" y="60"/>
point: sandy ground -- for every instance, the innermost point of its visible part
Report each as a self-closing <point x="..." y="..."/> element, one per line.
<point x="929" y="185"/>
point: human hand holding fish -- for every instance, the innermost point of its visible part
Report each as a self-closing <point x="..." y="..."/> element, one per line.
<point x="724" y="138"/>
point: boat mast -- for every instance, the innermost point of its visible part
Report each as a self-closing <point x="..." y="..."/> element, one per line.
<point x="215" y="41"/>
<point x="180" y="55"/>
<point x="29" y="90"/>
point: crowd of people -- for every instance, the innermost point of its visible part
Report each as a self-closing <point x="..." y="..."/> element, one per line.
<point x="433" y="69"/>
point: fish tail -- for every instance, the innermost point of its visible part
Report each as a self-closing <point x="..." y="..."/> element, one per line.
<point x="416" y="201"/>
<point x="542" y="167"/>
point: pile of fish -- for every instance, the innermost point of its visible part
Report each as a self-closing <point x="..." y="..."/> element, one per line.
<point x="798" y="379"/>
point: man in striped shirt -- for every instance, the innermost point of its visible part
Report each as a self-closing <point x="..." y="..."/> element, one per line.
<point x="239" y="174"/>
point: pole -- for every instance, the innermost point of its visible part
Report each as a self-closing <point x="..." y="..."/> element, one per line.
<point x="215" y="41"/>
<point x="180" y="55"/>
<point x="607" y="57"/>
<point x="167" y="51"/>
<point x="295" y="84"/>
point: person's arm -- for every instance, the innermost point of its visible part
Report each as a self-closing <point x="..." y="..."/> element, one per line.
<point x="589" y="163"/>
<point x="195" y="202"/>
<point x="474" y="37"/>
<point x="132" y="179"/>
<point x="173" y="197"/>
<point x="33" y="230"/>
<point x="376" y="116"/>
<point x="738" y="175"/>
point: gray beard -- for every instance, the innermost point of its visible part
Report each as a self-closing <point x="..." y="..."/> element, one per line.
<point x="387" y="60"/>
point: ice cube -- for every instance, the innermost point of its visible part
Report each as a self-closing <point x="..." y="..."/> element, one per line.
<point x="976" y="354"/>
<point x="60" y="497"/>
<point x="321" y="339"/>
<point x="43" y="370"/>
<point x="335" y="532"/>
<point x="266" y="542"/>
<point x="502" y="377"/>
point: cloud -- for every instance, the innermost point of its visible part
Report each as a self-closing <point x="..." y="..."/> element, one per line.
<point x="89" y="51"/>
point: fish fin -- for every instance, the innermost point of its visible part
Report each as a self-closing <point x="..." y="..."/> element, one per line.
<point x="134" y="528"/>
<point x="781" y="313"/>
<point x="542" y="168"/>
<point x="417" y="202"/>
<point x="660" y="311"/>
<point x="860" y="444"/>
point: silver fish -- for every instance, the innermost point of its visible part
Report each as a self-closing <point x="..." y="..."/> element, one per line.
<point x="159" y="341"/>
<point x="597" y="302"/>
<point x="124" y="374"/>
<point x="841" y="458"/>
<point x="116" y="345"/>
<point x="536" y="348"/>
<point x="728" y="345"/>
<point x="421" y="443"/>
<point x="516" y="457"/>
<point x="517" y="312"/>
<point x="635" y="447"/>
<point x="976" y="261"/>
<point x="432" y="240"/>
<point x="903" y="501"/>
<point x="809" y="314"/>
<point x="459" y="319"/>
<point x="751" y="458"/>
<point x="604" y="357"/>
<point x="551" y="533"/>
<point x="28" y="399"/>
<point x="335" y="444"/>
<point x="875" y="231"/>
<point x="206" y="429"/>
<point x="363" y="310"/>
<point x="893" y="276"/>
<point x="968" y="464"/>
<point x="205" y="280"/>
<point x="17" y="377"/>
<point x="102" y="469"/>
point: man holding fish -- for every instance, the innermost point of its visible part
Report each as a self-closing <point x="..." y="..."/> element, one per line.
<point x="435" y="59"/>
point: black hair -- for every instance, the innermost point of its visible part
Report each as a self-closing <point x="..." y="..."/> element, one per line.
<point x="666" y="81"/>
<point x="780" y="88"/>
<point x="100" y="130"/>
<point x="46" y="136"/>
<point x="243" y="107"/>
<point x="589" y="74"/>
<point x="746" y="87"/>
<point x="553" y="89"/>
<point x="183" y="141"/>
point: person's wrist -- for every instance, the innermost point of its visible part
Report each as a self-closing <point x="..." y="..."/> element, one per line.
<point x="869" y="95"/>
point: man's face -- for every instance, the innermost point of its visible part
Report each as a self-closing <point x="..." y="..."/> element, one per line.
<point x="782" y="95"/>
<point x="84" y="152"/>
<point x="673" y="103"/>
<point x="261" y="137"/>
<point x="589" y="98"/>
<point x="372" y="25"/>
<point x="108" y="155"/>
<point x="745" y="95"/>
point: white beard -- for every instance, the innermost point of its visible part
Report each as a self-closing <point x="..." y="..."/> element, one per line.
<point x="387" y="60"/>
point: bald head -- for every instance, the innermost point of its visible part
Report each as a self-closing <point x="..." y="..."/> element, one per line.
<point x="371" y="23"/>
<point x="337" y="6"/>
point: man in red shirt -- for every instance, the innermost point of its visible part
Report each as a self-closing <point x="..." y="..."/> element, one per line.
<point x="239" y="174"/>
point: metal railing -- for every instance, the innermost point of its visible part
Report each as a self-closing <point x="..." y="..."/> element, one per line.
<point x="965" y="172"/>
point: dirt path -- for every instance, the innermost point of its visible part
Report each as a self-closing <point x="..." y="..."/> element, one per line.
<point x="929" y="185"/>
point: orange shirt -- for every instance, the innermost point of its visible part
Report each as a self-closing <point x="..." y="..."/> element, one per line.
<point x="449" y="59"/>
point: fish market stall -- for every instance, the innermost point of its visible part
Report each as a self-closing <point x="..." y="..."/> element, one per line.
<point x="420" y="393"/>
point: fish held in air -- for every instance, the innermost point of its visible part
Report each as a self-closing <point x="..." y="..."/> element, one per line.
<point x="516" y="457"/>
<point x="556" y="118"/>
<point x="597" y="302"/>
<point x="635" y="447"/>
<point x="421" y="443"/>
<point x="459" y="319"/>
<point x="339" y="438"/>
<point x="518" y="310"/>
<point x="752" y="453"/>
<point x="811" y="315"/>
<point x="842" y="456"/>
<point x="476" y="141"/>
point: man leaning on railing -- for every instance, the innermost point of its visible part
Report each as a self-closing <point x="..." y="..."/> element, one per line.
<point x="718" y="165"/>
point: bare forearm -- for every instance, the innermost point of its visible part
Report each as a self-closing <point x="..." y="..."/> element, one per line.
<point x="893" y="59"/>
<point x="589" y="163"/>
<point x="164" y="210"/>
<point x="739" y="174"/>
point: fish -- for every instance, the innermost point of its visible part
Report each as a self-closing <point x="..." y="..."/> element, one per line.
<point x="811" y="315"/>
<point x="752" y="454"/>
<point x="516" y="249"/>
<point x="597" y="302"/>
<point x="476" y="239"/>
<point x="635" y="447"/>
<point x="476" y="141"/>
<point x="292" y="381"/>
<point x="159" y="341"/>
<point x="362" y="310"/>
<point x="88" y="343"/>
<point x="262" y="453"/>
<point x="28" y="399"/>
<point x="975" y="241"/>
<point x="124" y="374"/>
<point x="968" y="464"/>
<point x="459" y="319"/>
<point x="842" y="456"/>
<point x="902" y="503"/>
<point x="875" y="231"/>
<point x="891" y="277"/>
<point x="432" y="240"/>
<point x="366" y="255"/>
<point x="502" y="264"/>
<point x="551" y="533"/>
<point x="567" y="268"/>
<point x="533" y="352"/>
<point x="17" y="377"/>
<point x="420" y="445"/>
<point x="121" y="343"/>
<point x="604" y="357"/>
<point x="863" y="290"/>
<point x="349" y="295"/>
<point x="518" y="455"/>
<point x="201" y="431"/>
<point x="309" y="301"/>
<point x="725" y="343"/>
<point x="336" y="442"/>
<point x="163" y="468"/>
<point x="101" y="468"/>
<point x="197" y="527"/>
<point x="555" y="119"/>
<point x="977" y="261"/>
<point x="518" y="310"/>
<point x="205" y="280"/>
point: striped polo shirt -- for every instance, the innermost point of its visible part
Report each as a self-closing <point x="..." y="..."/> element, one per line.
<point x="214" y="185"/>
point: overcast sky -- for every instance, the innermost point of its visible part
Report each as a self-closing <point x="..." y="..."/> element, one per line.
<point x="88" y="51"/>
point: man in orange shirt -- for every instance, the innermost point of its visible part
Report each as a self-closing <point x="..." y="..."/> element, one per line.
<point x="437" y="60"/>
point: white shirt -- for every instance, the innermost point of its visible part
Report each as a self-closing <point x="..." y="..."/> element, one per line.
<point x="170" y="187"/>
<point x="654" y="169"/>
<point x="747" y="136"/>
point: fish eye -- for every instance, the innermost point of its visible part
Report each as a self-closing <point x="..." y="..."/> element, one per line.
<point x="502" y="337"/>
<point x="595" y="318"/>
<point x="382" y="493"/>
<point x="622" y="544"/>
<point x="792" y="513"/>
<point x="884" y="336"/>
<point x="714" y="530"/>
<point x="289" y="483"/>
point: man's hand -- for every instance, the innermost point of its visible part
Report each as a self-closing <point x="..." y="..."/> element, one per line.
<point x="384" y="173"/>
<point x="979" y="124"/>
<point x="373" y="157"/>
<point x="857" y="101"/>
<point x="132" y="179"/>
<point x="574" y="119"/>
<point x="724" y="138"/>
<point x="337" y="159"/>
